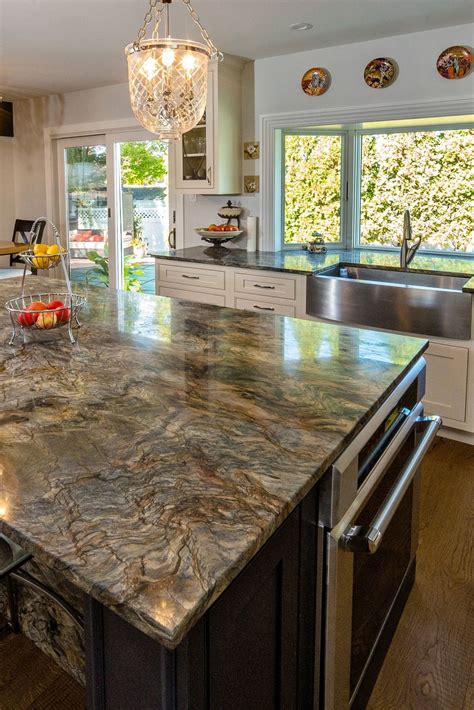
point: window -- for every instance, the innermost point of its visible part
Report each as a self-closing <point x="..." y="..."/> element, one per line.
<point x="353" y="185"/>
<point x="313" y="184"/>
<point x="430" y="173"/>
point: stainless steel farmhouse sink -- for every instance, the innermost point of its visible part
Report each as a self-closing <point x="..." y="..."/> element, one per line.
<point x="407" y="301"/>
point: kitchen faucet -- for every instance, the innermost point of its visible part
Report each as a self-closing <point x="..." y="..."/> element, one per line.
<point x="407" y="252"/>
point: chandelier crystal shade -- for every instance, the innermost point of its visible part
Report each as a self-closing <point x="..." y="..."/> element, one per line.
<point x="168" y="77"/>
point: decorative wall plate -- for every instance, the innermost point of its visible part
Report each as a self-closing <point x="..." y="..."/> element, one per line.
<point x="316" y="81"/>
<point x="380" y="73"/>
<point x="455" y="62"/>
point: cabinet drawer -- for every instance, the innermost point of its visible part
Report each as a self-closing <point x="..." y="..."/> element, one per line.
<point x="205" y="278"/>
<point x="446" y="381"/>
<point x="214" y="299"/>
<point x="280" y="309"/>
<point x="265" y="286"/>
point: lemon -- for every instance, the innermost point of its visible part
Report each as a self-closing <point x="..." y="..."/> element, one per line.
<point x="52" y="251"/>
<point x="40" y="249"/>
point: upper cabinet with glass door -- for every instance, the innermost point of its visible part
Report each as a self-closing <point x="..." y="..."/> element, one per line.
<point x="208" y="158"/>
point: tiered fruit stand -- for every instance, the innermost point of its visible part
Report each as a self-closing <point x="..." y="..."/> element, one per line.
<point x="49" y="310"/>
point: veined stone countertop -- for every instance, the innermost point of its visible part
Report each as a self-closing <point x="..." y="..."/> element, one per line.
<point x="150" y="462"/>
<point x="304" y="262"/>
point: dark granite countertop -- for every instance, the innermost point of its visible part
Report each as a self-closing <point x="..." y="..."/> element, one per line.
<point x="150" y="462"/>
<point x="304" y="262"/>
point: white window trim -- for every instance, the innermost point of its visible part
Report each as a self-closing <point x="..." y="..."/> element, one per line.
<point x="345" y="135"/>
<point x="270" y="124"/>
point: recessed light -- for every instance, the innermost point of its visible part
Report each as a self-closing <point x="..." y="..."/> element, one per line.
<point x="301" y="26"/>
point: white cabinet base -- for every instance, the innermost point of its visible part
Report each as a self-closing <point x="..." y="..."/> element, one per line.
<point x="446" y="381"/>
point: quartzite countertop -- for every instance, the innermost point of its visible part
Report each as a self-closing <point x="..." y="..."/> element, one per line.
<point x="150" y="462"/>
<point x="304" y="262"/>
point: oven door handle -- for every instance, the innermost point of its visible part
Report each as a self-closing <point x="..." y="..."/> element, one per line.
<point x="359" y="538"/>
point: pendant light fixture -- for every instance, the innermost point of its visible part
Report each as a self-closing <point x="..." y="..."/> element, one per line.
<point x="168" y="77"/>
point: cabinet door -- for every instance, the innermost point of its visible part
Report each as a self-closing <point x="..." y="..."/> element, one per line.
<point x="195" y="151"/>
<point x="253" y="630"/>
<point x="446" y="381"/>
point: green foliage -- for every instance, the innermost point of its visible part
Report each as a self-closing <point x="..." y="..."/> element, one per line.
<point x="86" y="170"/>
<point x="431" y="174"/>
<point x="99" y="275"/>
<point x="143" y="162"/>
<point x="312" y="187"/>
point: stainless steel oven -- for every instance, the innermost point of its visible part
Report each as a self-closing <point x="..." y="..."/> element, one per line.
<point x="369" y="512"/>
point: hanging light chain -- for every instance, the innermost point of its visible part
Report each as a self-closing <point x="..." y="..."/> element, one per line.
<point x="147" y="20"/>
<point x="157" y="7"/>
<point x="204" y="33"/>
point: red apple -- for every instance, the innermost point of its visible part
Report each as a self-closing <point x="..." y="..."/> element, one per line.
<point x="30" y="316"/>
<point x="62" y="313"/>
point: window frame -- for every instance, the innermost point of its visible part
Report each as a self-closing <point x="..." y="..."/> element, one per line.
<point x="345" y="191"/>
<point x="351" y="178"/>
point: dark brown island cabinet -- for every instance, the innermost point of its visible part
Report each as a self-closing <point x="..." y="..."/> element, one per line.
<point x="308" y="622"/>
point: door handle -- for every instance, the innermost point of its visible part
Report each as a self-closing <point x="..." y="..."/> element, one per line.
<point x="209" y="175"/>
<point x="185" y="276"/>
<point x="264" y="308"/>
<point x="359" y="538"/>
<point x="172" y="238"/>
<point x="264" y="286"/>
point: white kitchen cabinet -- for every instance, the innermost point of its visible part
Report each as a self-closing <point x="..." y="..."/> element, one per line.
<point x="265" y="284"/>
<point x="278" y="309"/>
<point x="187" y="275"/>
<point x="208" y="158"/>
<point x="446" y="381"/>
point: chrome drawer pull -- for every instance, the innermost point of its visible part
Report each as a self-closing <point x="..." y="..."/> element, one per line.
<point x="264" y="286"/>
<point x="359" y="538"/>
<point x="185" y="276"/>
<point x="263" y="308"/>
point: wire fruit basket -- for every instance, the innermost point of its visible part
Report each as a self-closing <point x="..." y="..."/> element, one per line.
<point x="48" y="310"/>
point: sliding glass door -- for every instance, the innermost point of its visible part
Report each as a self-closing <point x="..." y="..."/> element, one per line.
<point x="114" y="206"/>
<point x="83" y="201"/>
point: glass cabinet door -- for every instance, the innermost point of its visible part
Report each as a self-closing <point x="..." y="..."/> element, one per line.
<point x="195" y="151"/>
<point x="194" y="154"/>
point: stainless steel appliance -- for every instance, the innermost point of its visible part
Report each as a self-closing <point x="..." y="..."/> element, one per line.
<point x="406" y="301"/>
<point x="369" y="514"/>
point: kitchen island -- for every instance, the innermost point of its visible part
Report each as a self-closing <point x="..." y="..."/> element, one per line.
<point x="173" y="449"/>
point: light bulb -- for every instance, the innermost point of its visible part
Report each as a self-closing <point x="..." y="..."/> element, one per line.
<point x="167" y="56"/>
<point x="149" y="68"/>
<point x="188" y="62"/>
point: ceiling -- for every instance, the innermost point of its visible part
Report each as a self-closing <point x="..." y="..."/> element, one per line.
<point x="49" y="46"/>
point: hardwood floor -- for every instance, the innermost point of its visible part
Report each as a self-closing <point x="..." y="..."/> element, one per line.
<point x="29" y="680"/>
<point x="430" y="664"/>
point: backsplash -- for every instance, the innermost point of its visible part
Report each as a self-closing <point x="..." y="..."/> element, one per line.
<point x="204" y="212"/>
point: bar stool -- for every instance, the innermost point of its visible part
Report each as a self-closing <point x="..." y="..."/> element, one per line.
<point x="12" y="558"/>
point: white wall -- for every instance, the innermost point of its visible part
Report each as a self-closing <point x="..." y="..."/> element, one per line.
<point x="7" y="193"/>
<point x="273" y="84"/>
<point x="277" y="79"/>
